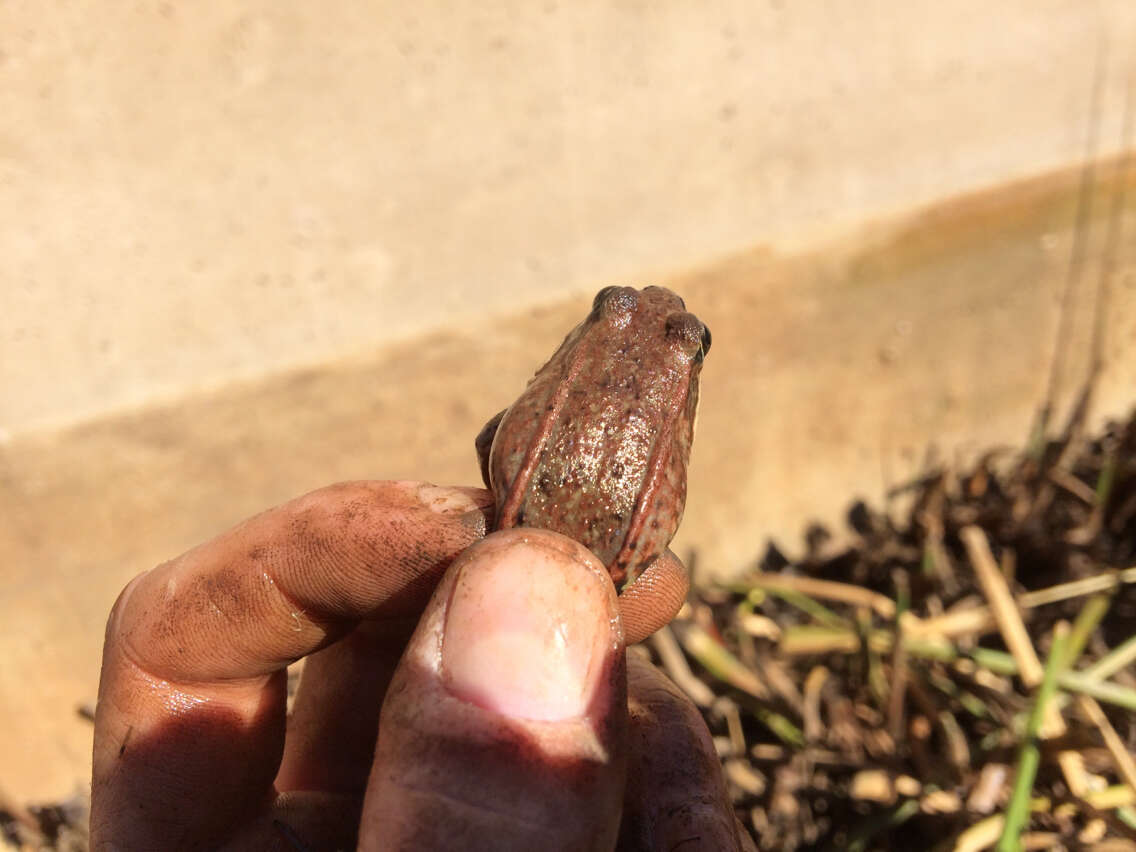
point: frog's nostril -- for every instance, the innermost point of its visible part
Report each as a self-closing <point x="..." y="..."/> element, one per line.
<point x="616" y="300"/>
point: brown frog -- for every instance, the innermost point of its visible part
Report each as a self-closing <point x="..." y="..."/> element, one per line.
<point x="596" y="447"/>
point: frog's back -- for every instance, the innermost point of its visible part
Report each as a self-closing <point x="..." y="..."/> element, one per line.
<point x="597" y="446"/>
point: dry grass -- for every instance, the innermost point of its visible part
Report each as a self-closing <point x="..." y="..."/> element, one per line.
<point x="892" y="695"/>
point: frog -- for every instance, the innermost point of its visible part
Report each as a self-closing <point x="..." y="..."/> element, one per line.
<point x="597" y="445"/>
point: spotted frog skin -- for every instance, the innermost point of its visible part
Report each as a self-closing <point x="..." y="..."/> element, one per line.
<point x="596" y="447"/>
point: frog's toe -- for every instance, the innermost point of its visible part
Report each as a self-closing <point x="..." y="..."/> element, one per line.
<point x="654" y="598"/>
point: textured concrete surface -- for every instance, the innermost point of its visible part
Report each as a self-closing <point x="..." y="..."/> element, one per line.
<point x="193" y="194"/>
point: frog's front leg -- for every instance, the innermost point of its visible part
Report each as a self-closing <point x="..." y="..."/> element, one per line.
<point x="484" y="443"/>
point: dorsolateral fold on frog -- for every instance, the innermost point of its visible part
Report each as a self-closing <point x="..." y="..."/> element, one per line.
<point x="597" y="445"/>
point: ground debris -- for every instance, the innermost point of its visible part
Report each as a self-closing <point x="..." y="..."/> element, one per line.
<point x="968" y="662"/>
<point x="61" y="826"/>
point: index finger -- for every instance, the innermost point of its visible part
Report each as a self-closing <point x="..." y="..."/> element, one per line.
<point x="190" y="720"/>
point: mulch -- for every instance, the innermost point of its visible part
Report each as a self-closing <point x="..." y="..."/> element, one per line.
<point x="964" y="659"/>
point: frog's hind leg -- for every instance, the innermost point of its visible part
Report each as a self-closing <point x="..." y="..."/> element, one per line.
<point x="654" y="598"/>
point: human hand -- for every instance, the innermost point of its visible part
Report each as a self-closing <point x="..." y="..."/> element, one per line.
<point x="507" y="725"/>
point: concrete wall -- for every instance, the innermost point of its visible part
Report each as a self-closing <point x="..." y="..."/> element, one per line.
<point x="193" y="194"/>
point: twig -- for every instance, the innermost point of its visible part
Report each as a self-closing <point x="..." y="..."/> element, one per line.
<point x="713" y="656"/>
<point x="973" y="621"/>
<point x="821" y="640"/>
<point x="729" y="710"/>
<point x="1117" y="796"/>
<point x="827" y="590"/>
<point x="810" y="639"/>
<point x="819" y="612"/>
<point x="1072" y="761"/>
<point x="1075" y="588"/>
<point x="1106" y="690"/>
<point x="671" y="656"/>
<point x="958" y="750"/>
<point x="1018" y="810"/>
<point x="1002" y="605"/>
<point x="773" y="753"/>
<point x="1088" y="618"/>
<point x="746" y="778"/>
<point x="1067" y="481"/>
<point x="984" y="794"/>
<point x="981" y="835"/>
<point x="1125" y="766"/>
<point x="1112" y="662"/>
<point x="979" y="619"/>
<point x="810" y="715"/>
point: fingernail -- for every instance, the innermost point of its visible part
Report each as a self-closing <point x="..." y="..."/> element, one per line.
<point x="530" y="626"/>
<point x="472" y="507"/>
<point x="448" y="500"/>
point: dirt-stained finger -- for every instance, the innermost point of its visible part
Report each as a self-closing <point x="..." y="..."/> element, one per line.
<point x="335" y="713"/>
<point x="282" y="583"/>
<point x="676" y="795"/>
<point x="189" y="727"/>
<point x="505" y="725"/>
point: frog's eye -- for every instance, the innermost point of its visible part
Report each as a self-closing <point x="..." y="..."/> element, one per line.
<point x="601" y="296"/>
<point x="703" y="345"/>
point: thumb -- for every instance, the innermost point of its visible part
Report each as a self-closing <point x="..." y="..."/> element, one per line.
<point x="505" y="724"/>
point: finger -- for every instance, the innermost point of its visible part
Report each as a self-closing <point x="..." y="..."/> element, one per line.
<point x="190" y="721"/>
<point x="654" y="598"/>
<point x="676" y="795"/>
<point x="335" y="713"/>
<point x="330" y="737"/>
<point x="504" y="727"/>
